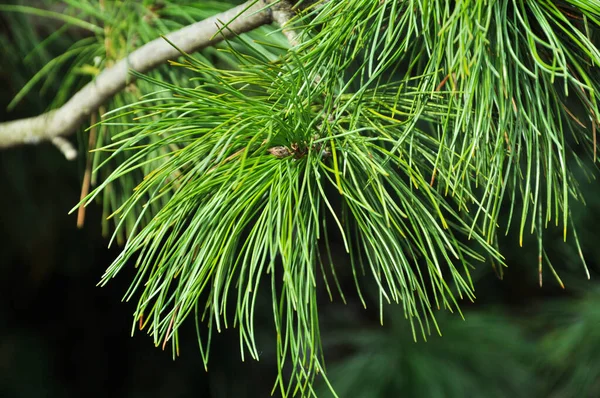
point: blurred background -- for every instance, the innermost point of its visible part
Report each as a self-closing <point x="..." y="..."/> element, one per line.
<point x="61" y="336"/>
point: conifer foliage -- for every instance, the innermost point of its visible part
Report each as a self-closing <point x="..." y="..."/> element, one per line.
<point x="400" y="130"/>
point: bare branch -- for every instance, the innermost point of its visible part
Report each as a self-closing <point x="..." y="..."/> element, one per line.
<point x="66" y="119"/>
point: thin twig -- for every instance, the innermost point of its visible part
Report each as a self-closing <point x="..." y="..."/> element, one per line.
<point x="66" y="119"/>
<point x="65" y="147"/>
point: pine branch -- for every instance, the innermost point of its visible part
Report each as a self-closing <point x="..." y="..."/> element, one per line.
<point x="66" y="119"/>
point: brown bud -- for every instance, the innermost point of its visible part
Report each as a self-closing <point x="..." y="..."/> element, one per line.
<point x="279" y="151"/>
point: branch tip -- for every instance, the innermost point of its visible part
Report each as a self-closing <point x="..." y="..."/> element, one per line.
<point x="65" y="147"/>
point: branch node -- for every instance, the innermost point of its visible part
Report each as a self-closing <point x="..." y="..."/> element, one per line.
<point x="282" y="15"/>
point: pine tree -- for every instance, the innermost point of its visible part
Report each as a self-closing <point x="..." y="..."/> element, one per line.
<point x="400" y="129"/>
